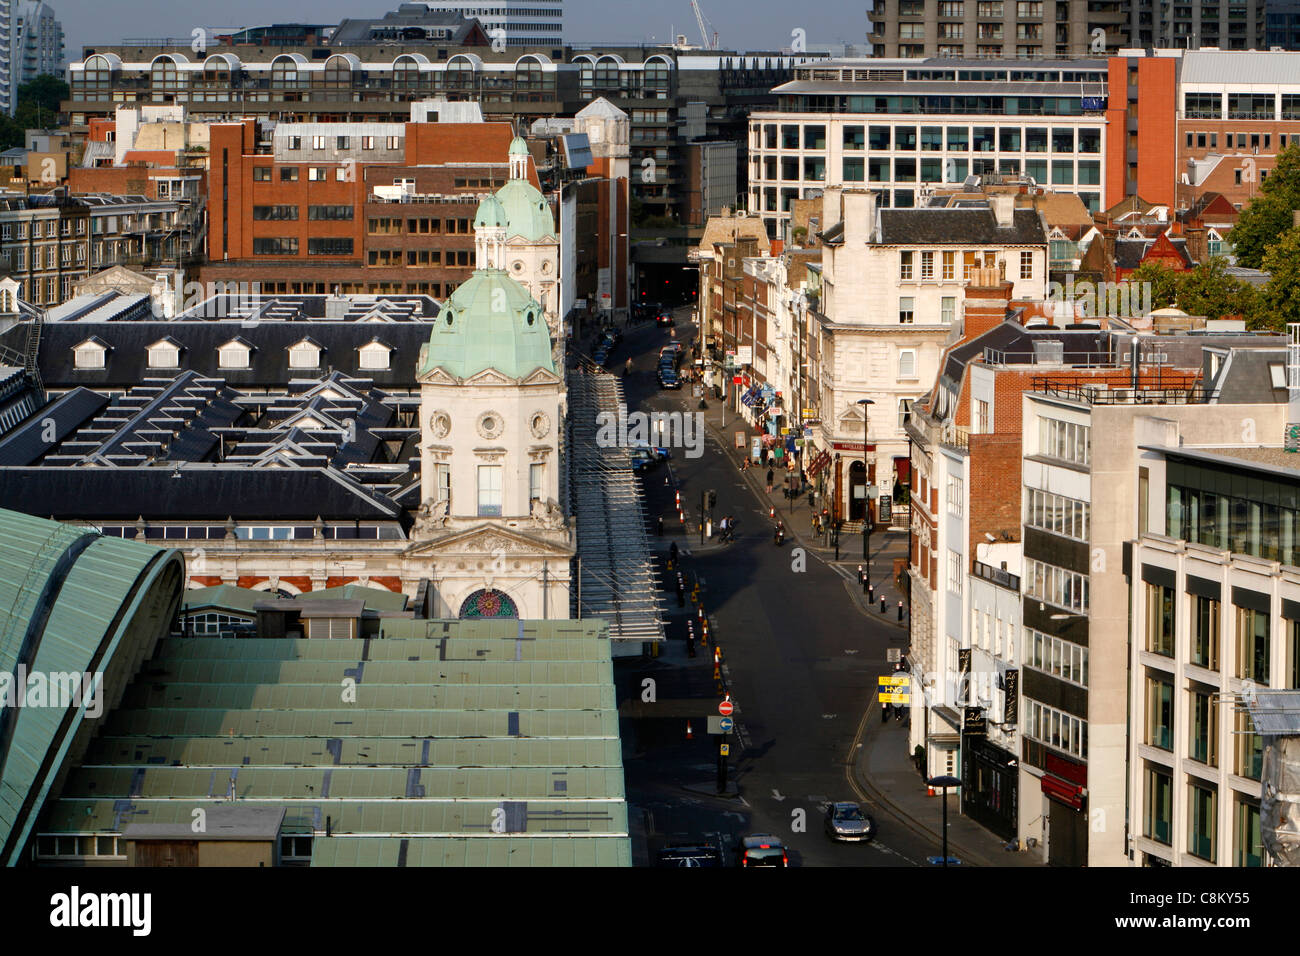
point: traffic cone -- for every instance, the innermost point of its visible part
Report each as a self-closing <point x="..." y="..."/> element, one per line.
<point x="691" y="736"/>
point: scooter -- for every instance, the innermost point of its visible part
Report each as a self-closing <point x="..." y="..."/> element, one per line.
<point x="779" y="537"/>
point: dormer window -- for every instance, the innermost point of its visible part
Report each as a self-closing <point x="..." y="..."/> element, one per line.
<point x="304" y="354"/>
<point x="235" y="354"/>
<point x="375" y="355"/>
<point x="165" y="353"/>
<point x="89" y="354"/>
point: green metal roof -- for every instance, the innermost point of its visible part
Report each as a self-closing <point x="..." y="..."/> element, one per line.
<point x="223" y="597"/>
<point x="475" y="724"/>
<point x="375" y="599"/>
<point x="528" y="214"/>
<point x="489" y="322"/>
<point x="71" y="602"/>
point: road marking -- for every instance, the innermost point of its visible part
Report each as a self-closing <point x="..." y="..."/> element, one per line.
<point x="848" y="650"/>
<point x="829" y="716"/>
<point x="776" y="795"/>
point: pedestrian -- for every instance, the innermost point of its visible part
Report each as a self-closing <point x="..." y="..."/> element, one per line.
<point x="898" y="713"/>
<point x="884" y="712"/>
<point x="770" y="476"/>
<point x="672" y="552"/>
<point x="659" y="526"/>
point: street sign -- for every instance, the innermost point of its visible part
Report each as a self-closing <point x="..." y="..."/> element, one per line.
<point x="740" y="439"/>
<point x="894" y="655"/>
<point x="720" y="725"/>
<point x="744" y="355"/>
<point x="894" y="680"/>
<point x="735" y="380"/>
<point x="727" y="724"/>
<point x="903" y="698"/>
<point x="725" y="750"/>
<point x="726" y="707"/>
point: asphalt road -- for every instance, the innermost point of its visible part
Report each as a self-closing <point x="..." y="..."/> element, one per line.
<point x="802" y="663"/>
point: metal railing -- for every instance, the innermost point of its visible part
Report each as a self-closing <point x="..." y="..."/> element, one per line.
<point x="1100" y="393"/>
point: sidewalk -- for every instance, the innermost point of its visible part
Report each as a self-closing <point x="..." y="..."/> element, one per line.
<point x="885" y="772"/>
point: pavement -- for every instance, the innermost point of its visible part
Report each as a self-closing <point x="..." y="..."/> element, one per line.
<point x="802" y="675"/>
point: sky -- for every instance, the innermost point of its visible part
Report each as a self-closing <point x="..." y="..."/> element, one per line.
<point x="741" y="24"/>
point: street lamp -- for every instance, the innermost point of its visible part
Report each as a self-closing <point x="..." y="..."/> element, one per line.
<point x="945" y="782"/>
<point x="866" y="485"/>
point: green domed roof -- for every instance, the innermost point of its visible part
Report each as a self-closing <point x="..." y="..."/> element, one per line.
<point x="518" y="147"/>
<point x="490" y="214"/>
<point x="490" y="321"/>
<point x="528" y="214"/>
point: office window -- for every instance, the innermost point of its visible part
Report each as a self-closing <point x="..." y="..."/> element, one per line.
<point x="814" y="137"/>
<point x="1160" y="619"/>
<point x="1036" y="139"/>
<point x="367" y="142"/>
<point x="342" y="142"/>
<point x="1064" y="440"/>
<point x="1247" y="847"/>
<point x="947" y="309"/>
<point x="956" y="572"/>
<point x="905" y="265"/>
<point x="1252" y="645"/>
<point x="318" y="142"/>
<point x="261" y="174"/>
<point x="905" y="170"/>
<point x="288" y="174"/>
<point x="1062" y="172"/>
<point x="1026" y="265"/>
<point x="1158" y="801"/>
<point x="958" y="138"/>
<point x="927" y="265"/>
<point x="1203" y="744"/>
<point x="905" y="137"/>
<point x="1051" y="512"/>
<point x="906" y="363"/>
<point x="1249" y="746"/>
<point x="330" y="213"/>
<point x="1202" y="821"/>
<point x="1160" y="713"/>
<point x="982" y="418"/>
<point x="489" y="490"/>
<point x="394" y="142"/>
<point x="906" y="307"/>
<point x="879" y="137"/>
<point x="295" y="142"/>
<point x="268" y="246"/>
<point x="274" y="213"/>
<point x="855" y="137"/>
<point x="949" y="272"/>
<point x="1205" y="632"/>
<point x="1058" y="586"/>
<point x="853" y="169"/>
<point x="317" y="174"/>
<point x="955" y="495"/>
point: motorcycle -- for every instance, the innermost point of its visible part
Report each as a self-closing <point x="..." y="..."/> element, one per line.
<point x="778" y="537"/>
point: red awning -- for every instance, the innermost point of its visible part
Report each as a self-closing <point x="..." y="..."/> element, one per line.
<point x="1068" y="793"/>
<point x="902" y="470"/>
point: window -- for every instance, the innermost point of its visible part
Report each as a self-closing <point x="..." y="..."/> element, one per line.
<point x="267" y="246"/>
<point x="288" y="174"/>
<point x="1026" y="265"/>
<point x="233" y="355"/>
<point x="1057" y="586"/>
<point x="342" y="142"/>
<point x="905" y="265"/>
<point x="955" y="495"/>
<point x="907" y="363"/>
<point x="854" y="137"/>
<point x="317" y="174"/>
<point x="1160" y="620"/>
<point x="814" y="137"/>
<point x="853" y="169"/>
<point x="394" y="142"/>
<point x="1051" y="512"/>
<point x="1056" y="656"/>
<point x="1158" y="801"/>
<point x="904" y="412"/>
<point x="1252" y="645"/>
<point x="1203" y="743"/>
<point x="88" y="355"/>
<point x="1202" y="821"/>
<point x="375" y="355"/>
<point x="275" y="213"/>
<point x="1205" y="632"/>
<point x="1056" y="728"/>
<point x="1064" y="440"/>
<point x="164" y="355"/>
<point x="367" y="142"/>
<point x="295" y="142"/>
<point x="536" y="482"/>
<point x="489" y="491"/>
<point x="956" y="572"/>
<point x="304" y="355"/>
<point x="949" y="272"/>
<point x="318" y="142"/>
<point x="983" y="419"/>
<point x="442" y="481"/>
<point x="927" y="265"/>
<point x="906" y="306"/>
<point x="1247" y="849"/>
<point x="329" y="246"/>
<point x="1249" y="746"/>
<point x="261" y="174"/>
<point x="1160" y="713"/>
<point x="329" y="213"/>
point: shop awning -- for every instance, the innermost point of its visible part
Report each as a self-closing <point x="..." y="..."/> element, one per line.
<point x="903" y="470"/>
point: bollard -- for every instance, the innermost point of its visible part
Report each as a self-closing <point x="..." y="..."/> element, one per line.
<point x="882" y="604"/>
<point x="900" y="610"/>
<point x="871" y="594"/>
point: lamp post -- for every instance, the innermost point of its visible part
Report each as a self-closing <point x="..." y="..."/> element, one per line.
<point x="945" y="782"/>
<point x="866" y="404"/>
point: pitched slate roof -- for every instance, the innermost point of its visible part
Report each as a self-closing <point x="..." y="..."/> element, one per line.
<point x="926" y="226"/>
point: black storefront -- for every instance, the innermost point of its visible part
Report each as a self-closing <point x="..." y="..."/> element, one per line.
<point x="989" y="777"/>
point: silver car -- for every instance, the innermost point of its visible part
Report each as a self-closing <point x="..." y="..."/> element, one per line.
<point x="849" y="822"/>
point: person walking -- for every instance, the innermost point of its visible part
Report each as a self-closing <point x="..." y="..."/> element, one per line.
<point x="770" y="475"/>
<point x="627" y="367"/>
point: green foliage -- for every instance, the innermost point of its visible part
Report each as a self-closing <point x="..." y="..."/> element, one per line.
<point x="1281" y="297"/>
<point x="38" y="108"/>
<point x="1163" y="282"/>
<point x="1269" y="214"/>
<point x="1209" y="291"/>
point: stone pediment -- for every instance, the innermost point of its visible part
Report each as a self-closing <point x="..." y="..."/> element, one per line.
<point x="490" y="540"/>
<point x="438" y="376"/>
<point x="540" y="376"/>
<point x="489" y="376"/>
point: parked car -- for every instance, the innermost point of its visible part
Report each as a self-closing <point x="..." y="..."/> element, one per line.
<point x="690" y="854"/>
<point x="849" y="822"/>
<point x="642" y="462"/>
<point x="600" y="356"/>
<point x="641" y="447"/>
<point x="668" y="378"/>
<point x="762" y="849"/>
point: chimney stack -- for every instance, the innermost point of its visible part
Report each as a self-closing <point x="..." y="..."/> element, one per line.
<point x="1197" y="247"/>
<point x="1004" y="209"/>
<point x="988" y="295"/>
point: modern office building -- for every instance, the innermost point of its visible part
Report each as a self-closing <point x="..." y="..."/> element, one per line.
<point x="37" y="41"/>
<point x="900" y="125"/>
<point x="1050" y="28"/>
<point x="517" y="23"/>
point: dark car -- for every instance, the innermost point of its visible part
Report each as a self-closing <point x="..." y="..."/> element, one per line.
<point x="665" y="318"/>
<point x="849" y="822"/>
<point x="690" y="854"/>
<point x="600" y="356"/>
<point x="668" y="378"/>
<point x="762" y="849"/>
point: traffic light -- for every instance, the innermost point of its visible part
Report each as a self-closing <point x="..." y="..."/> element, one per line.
<point x="710" y="499"/>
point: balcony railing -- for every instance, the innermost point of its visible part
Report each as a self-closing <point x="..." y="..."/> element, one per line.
<point x="1105" y="394"/>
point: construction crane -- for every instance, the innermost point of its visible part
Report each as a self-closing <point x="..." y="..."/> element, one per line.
<point x="704" y="33"/>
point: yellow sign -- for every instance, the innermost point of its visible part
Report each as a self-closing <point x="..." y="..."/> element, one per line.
<point x="894" y="680"/>
<point x="725" y="750"/>
<point x="903" y="698"/>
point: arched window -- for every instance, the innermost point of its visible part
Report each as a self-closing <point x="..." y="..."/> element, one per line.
<point x="165" y="78"/>
<point x="216" y="71"/>
<point x="96" y="80"/>
<point x="460" y="74"/>
<point x="406" y="74"/>
<point x="656" y="80"/>
<point x="606" y="74"/>
<point x="284" y="73"/>
<point x="528" y="74"/>
<point x="489" y="603"/>
<point x="338" y="73"/>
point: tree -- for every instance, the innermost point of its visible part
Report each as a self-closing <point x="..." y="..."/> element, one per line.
<point x="1208" y="290"/>
<point x="1281" y="297"/>
<point x="38" y="107"/>
<point x="1269" y="214"/>
<point x="1161" y="280"/>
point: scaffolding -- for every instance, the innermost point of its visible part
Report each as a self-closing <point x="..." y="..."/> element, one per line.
<point x="616" y="573"/>
<point x="1275" y="715"/>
